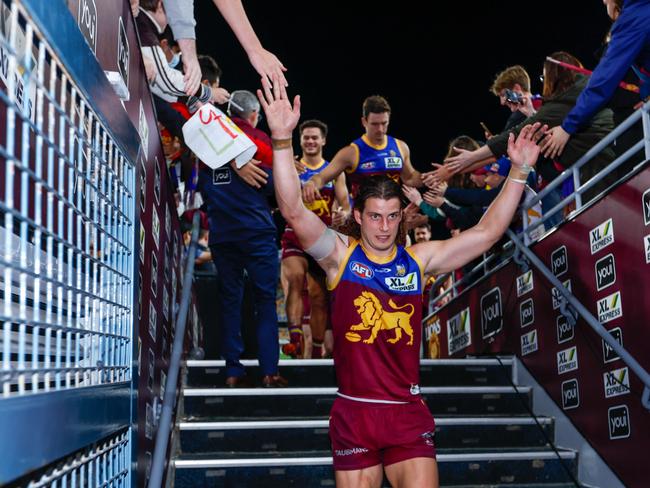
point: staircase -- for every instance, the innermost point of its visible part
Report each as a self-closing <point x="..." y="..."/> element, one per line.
<point x="258" y="437"/>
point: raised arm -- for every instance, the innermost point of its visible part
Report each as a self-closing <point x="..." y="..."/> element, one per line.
<point x="312" y="233"/>
<point x="465" y="158"/>
<point x="444" y="256"/>
<point x="409" y="175"/>
<point x="265" y="62"/>
<point x="341" y="193"/>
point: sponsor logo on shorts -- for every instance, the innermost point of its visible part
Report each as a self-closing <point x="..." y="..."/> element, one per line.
<point x="646" y="245"/>
<point x="608" y="352"/>
<point x="350" y="452"/>
<point x="605" y="272"/>
<point x="567" y="360"/>
<point x="570" y="394"/>
<point x="428" y="438"/>
<point x="123" y="53"/>
<point x="619" y="422"/>
<point x="616" y="382"/>
<point x="415" y="389"/>
<point x="602" y="236"/>
<point x="559" y="261"/>
<point x="402" y="283"/>
<point x="525" y="283"/>
<point x="529" y="343"/>
<point x="361" y="270"/>
<point x="610" y="308"/>
<point x="526" y="313"/>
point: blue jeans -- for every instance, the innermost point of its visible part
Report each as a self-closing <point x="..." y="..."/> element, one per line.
<point x="259" y="257"/>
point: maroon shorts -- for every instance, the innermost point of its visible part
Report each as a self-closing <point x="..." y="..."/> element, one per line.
<point x="366" y="434"/>
<point x="291" y="245"/>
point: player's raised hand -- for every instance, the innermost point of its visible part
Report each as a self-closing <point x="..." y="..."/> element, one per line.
<point x="524" y="149"/>
<point x="281" y="116"/>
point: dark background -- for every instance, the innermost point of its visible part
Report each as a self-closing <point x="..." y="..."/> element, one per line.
<point x="433" y="61"/>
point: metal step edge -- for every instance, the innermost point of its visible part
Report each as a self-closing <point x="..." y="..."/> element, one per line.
<point x="320" y="461"/>
<point x="320" y="424"/>
<point x="440" y="390"/>
<point x="220" y="363"/>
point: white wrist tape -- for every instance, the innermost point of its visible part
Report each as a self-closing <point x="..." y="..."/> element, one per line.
<point x="324" y="246"/>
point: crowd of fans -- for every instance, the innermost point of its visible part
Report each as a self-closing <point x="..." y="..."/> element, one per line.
<point x="240" y="235"/>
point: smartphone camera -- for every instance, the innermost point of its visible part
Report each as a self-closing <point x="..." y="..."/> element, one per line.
<point x="514" y="97"/>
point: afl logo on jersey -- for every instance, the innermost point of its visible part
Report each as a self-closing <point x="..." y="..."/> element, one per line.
<point x="361" y="270"/>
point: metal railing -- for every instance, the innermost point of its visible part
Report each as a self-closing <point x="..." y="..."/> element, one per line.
<point x="67" y="226"/>
<point x="573" y="172"/>
<point x="436" y="301"/>
<point x="169" y="401"/>
<point x="569" y="298"/>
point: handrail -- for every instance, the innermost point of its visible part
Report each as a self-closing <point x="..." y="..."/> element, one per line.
<point x="572" y="171"/>
<point x="523" y="247"/>
<point x="586" y="157"/>
<point x="625" y="356"/>
<point x="169" y="401"/>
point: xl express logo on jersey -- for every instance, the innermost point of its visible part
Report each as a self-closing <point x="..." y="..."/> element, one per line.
<point x="361" y="270"/>
<point x="402" y="283"/>
<point x="393" y="162"/>
<point x="459" y="335"/>
<point x="601" y="236"/>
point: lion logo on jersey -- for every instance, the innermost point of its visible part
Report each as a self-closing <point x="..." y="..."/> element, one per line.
<point x="375" y="318"/>
<point x="320" y="207"/>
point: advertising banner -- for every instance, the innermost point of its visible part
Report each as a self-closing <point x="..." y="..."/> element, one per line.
<point x="603" y="257"/>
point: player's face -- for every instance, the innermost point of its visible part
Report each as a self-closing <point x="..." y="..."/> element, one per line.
<point x="312" y="141"/>
<point x="422" y="234"/>
<point x="376" y="125"/>
<point x="379" y="223"/>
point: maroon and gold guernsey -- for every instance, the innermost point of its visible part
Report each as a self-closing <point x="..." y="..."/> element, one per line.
<point x="376" y="310"/>
<point x="370" y="160"/>
<point x="323" y="206"/>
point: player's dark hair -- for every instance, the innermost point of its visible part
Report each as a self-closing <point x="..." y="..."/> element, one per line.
<point x="375" y="104"/>
<point x="322" y="126"/>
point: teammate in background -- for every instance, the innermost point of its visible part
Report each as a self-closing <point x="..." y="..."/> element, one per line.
<point x="380" y="420"/>
<point x="375" y="152"/>
<point x="332" y="208"/>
